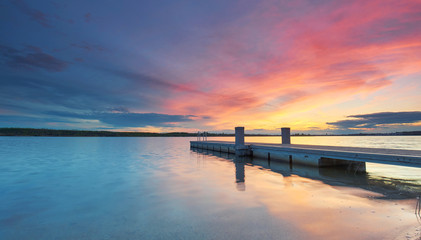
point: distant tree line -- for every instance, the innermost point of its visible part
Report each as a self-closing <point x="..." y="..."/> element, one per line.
<point x="83" y="133"/>
<point x="413" y="133"/>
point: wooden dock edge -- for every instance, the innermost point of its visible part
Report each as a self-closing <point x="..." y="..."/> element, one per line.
<point x="283" y="155"/>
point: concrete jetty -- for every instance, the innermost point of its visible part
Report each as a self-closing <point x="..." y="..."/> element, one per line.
<point x="319" y="156"/>
<point x="388" y="186"/>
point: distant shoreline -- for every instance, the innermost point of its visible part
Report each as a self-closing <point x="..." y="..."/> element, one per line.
<point x="82" y="133"/>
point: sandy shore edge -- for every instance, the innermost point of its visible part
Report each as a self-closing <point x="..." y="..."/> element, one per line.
<point x="411" y="233"/>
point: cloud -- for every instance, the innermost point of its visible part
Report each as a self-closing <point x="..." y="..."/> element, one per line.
<point x="40" y="17"/>
<point x="306" y="54"/>
<point x="88" y="17"/>
<point x="128" y="119"/>
<point x="264" y="64"/>
<point x="143" y="119"/>
<point x="33" y="13"/>
<point x="375" y="120"/>
<point x="30" y="101"/>
<point x="87" y="46"/>
<point x="31" y="58"/>
<point x="77" y="95"/>
<point x="143" y="80"/>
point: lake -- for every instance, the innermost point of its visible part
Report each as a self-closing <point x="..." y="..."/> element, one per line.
<point x="158" y="188"/>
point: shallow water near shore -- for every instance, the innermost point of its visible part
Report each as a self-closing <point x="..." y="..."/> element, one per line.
<point x="158" y="188"/>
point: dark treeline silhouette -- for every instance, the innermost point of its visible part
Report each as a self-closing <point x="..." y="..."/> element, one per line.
<point x="83" y="133"/>
<point x="409" y="133"/>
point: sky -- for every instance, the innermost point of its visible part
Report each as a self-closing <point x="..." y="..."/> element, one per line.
<point x="161" y="66"/>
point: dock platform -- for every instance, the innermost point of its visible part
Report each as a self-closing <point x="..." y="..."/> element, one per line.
<point x="319" y="156"/>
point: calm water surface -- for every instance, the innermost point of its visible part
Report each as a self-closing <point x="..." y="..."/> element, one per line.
<point x="157" y="188"/>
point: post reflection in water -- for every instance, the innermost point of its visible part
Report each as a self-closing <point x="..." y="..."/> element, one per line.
<point x="240" y="173"/>
<point x="328" y="203"/>
<point x="418" y="209"/>
<point x="389" y="187"/>
<point x="239" y="163"/>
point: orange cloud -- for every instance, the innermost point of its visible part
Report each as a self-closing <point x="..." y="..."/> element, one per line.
<point x="299" y="57"/>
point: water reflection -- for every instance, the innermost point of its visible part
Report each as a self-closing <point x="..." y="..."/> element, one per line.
<point x="156" y="188"/>
<point x="239" y="163"/>
<point x="240" y="173"/>
<point x="387" y="187"/>
<point x="324" y="203"/>
<point x="418" y="209"/>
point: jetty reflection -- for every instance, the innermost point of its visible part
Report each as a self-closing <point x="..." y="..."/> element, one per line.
<point x="387" y="187"/>
<point x="240" y="163"/>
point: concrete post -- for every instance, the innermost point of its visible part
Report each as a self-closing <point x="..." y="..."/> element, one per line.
<point x="286" y="135"/>
<point x="240" y="148"/>
<point x="239" y="136"/>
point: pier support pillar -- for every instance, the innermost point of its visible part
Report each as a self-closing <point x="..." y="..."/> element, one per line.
<point x="240" y="148"/>
<point x="286" y="135"/>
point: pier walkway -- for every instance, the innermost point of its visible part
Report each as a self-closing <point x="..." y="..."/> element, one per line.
<point x="321" y="156"/>
<point x="317" y="155"/>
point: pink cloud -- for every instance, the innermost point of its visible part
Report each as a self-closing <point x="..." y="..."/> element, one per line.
<point x="303" y="50"/>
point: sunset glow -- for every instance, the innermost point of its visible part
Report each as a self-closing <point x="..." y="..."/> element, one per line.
<point x="317" y="67"/>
